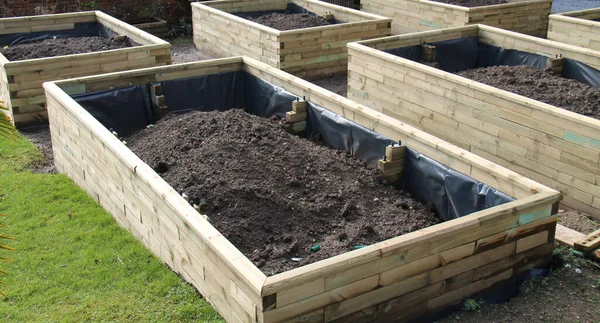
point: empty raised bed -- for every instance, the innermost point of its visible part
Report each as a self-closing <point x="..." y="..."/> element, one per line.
<point x="549" y="144"/>
<point x="579" y="28"/>
<point x="524" y="16"/>
<point x="21" y="78"/>
<point x="498" y="235"/>
<point x="221" y="27"/>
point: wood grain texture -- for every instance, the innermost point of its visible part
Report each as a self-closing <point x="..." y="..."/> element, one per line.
<point x="556" y="147"/>
<point x="449" y="260"/>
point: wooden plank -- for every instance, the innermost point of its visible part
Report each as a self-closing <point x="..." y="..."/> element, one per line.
<point x="567" y="236"/>
<point x="589" y="242"/>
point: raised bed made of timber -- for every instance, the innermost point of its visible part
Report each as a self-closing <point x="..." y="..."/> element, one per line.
<point x="393" y="280"/>
<point x="21" y="81"/>
<point x="553" y="146"/>
<point x="307" y="52"/>
<point x="155" y="26"/>
<point x="524" y="16"/>
<point x="579" y="28"/>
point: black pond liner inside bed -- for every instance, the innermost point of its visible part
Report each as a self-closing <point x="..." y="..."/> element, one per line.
<point x="128" y="109"/>
<point x="467" y="53"/>
<point x="454" y="194"/>
<point x="82" y="29"/>
<point x="291" y="8"/>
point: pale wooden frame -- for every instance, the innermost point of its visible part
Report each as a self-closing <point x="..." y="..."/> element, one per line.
<point x="307" y="52"/>
<point x="576" y="28"/>
<point x="512" y="237"/>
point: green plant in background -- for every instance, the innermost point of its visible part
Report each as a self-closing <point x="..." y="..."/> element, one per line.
<point x="470" y="305"/>
<point x="8" y="131"/>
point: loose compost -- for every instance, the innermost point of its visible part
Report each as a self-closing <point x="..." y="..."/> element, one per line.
<point x="62" y="46"/>
<point x="285" y="21"/>
<point x="283" y="200"/>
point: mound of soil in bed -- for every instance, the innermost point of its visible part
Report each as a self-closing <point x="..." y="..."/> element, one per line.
<point x="273" y="194"/>
<point x="472" y="3"/>
<point x="540" y="85"/>
<point x="281" y="21"/>
<point x="62" y="46"/>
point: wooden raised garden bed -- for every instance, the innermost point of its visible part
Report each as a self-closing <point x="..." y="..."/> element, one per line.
<point x="398" y="279"/>
<point x="21" y="81"/>
<point x="155" y="26"/>
<point x="579" y="28"/>
<point x="551" y="145"/>
<point x="305" y="52"/>
<point x="524" y="16"/>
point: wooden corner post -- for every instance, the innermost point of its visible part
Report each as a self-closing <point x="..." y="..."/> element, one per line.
<point x="392" y="164"/>
<point x="296" y="119"/>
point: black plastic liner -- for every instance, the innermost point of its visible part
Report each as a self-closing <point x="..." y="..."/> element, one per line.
<point x="128" y="109"/>
<point x="82" y="29"/>
<point x="291" y="8"/>
<point x="461" y="54"/>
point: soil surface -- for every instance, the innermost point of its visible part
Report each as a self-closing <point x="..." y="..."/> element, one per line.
<point x="472" y="3"/>
<point x="570" y="293"/>
<point x="572" y="5"/>
<point x="62" y="46"/>
<point x="281" y="21"/>
<point x="540" y="85"/>
<point x="578" y="221"/>
<point x="40" y="137"/>
<point x="272" y="194"/>
<point x="337" y="84"/>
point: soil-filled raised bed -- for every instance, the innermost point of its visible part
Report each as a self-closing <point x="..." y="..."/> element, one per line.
<point x="579" y="28"/>
<point x="544" y="141"/>
<point x="525" y="16"/>
<point x="54" y="47"/>
<point x="300" y="46"/>
<point x="303" y="192"/>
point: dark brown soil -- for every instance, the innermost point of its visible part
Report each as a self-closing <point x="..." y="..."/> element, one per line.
<point x="281" y="21"/>
<point x="541" y="85"/>
<point x="337" y="84"/>
<point x="273" y="194"/>
<point x="570" y="293"/>
<point x="62" y="46"/>
<point x="578" y="221"/>
<point x="472" y="3"/>
<point x="40" y="137"/>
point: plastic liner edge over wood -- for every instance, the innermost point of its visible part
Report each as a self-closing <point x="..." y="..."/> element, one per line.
<point x="128" y="109"/>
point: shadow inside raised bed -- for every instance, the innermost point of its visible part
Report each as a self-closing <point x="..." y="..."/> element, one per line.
<point x="254" y="180"/>
<point x="85" y="37"/>
<point x="573" y="87"/>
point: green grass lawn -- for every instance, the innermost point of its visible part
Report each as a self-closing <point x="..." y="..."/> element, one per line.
<point x="73" y="263"/>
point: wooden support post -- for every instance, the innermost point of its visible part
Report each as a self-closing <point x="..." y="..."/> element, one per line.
<point x="296" y="119"/>
<point x="392" y="165"/>
<point x="556" y="65"/>
<point x="328" y="16"/>
<point x="159" y="106"/>
<point x="428" y="55"/>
